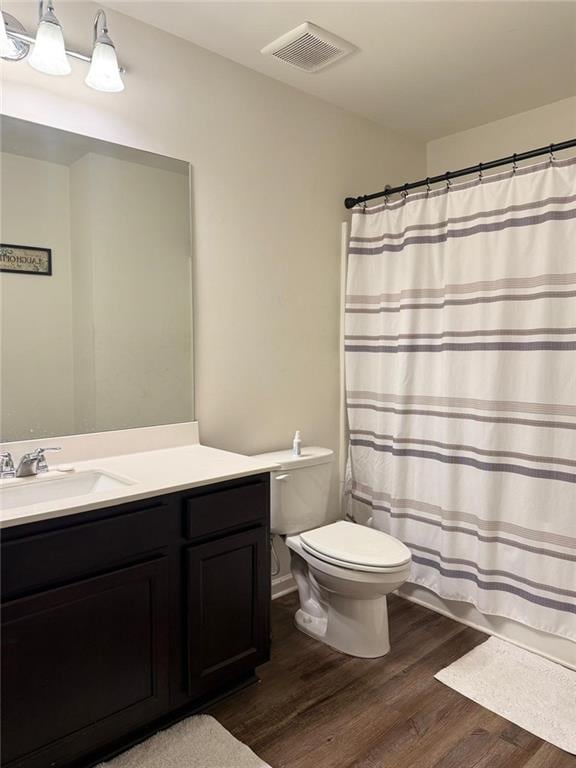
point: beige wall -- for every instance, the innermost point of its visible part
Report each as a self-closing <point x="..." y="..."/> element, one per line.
<point x="537" y="128"/>
<point x="36" y="382"/>
<point x="271" y="169"/>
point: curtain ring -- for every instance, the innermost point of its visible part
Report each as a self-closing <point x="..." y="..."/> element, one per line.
<point x="480" y="172"/>
<point x="405" y="191"/>
<point x="448" y="180"/>
<point x="514" y="164"/>
<point x="385" y="200"/>
<point x="364" y="207"/>
<point x="551" y="151"/>
<point x="428" y="189"/>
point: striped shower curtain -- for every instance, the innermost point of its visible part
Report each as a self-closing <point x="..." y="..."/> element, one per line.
<point x="461" y="388"/>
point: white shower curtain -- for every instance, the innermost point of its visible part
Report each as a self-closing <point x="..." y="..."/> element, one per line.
<point x="461" y="388"/>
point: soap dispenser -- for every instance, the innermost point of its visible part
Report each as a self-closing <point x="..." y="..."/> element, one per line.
<point x="297" y="444"/>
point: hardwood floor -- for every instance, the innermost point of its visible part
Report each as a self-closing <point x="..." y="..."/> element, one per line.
<point x="316" y="708"/>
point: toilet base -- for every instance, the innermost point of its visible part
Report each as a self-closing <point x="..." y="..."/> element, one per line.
<point x="362" y="638"/>
<point x="310" y="625"/>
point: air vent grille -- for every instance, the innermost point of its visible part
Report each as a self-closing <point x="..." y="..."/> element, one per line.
<point x="308" y="48"/>
<point x="308" y="52"/>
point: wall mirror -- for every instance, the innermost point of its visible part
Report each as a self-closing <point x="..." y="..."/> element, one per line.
<point x="95" y="285"/>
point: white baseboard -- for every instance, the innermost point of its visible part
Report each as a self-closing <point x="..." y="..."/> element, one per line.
<point x="557" y="649"/>
<point x="283" y="585"/>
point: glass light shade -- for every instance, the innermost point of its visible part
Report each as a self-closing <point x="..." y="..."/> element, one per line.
<point x="49" y="52"/>
<point x="8" y="47"/>
<point x="104" y="72"/>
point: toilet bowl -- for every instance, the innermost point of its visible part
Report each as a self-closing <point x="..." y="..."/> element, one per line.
<point x="343" y="571"/>
<point x="342" y="602"/>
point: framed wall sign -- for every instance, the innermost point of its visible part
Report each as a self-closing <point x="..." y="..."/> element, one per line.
<point x="25" y="259"/>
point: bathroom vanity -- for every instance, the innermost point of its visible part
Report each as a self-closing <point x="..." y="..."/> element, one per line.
<point x="118" y="620"/>
<point x="135" y="575"/>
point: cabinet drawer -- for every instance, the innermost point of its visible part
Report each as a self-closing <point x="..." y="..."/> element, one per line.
<point x="226" y="509"/>
<point x="55" y="557"/>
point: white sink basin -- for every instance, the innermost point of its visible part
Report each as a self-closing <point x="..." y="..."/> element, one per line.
<point x="40" y="489"/>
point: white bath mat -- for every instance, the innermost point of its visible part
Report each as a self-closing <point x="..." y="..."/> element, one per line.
<point x="198" y="742"/>
<point x="532" y="692"/>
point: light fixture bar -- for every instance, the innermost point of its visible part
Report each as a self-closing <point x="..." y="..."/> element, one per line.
<point x="73" y="54"/>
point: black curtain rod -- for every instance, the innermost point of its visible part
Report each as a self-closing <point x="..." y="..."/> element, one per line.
<point x="350" y="202"/>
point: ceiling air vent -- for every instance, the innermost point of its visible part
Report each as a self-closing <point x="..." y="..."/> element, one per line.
<point x="308" y="48"/>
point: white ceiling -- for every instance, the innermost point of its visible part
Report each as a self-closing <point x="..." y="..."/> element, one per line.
<point x="426" y="69"/>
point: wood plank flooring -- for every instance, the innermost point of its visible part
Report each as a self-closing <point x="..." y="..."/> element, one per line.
<point x="316" y="708"/>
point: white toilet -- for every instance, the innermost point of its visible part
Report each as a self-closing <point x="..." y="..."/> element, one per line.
<point x="343" y="571"/>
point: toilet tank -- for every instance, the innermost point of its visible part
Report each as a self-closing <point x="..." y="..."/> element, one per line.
<point x="299" y="489"/>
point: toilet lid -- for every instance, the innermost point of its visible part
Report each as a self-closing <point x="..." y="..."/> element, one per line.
<point x="356" y="545"/>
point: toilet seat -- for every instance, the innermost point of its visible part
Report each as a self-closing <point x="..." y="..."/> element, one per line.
<point x="356" y="547"/>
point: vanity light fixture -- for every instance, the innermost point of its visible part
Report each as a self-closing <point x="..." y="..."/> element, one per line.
<point x="104" y="72"/>
<point x="11" y="48"/>
<point x="49" y="52"/>
<point x="7" y="46"/>
<point x="50" y="55"/>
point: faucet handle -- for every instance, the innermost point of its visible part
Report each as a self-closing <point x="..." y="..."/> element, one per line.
<point x="42" y="465"/>
<point x="6" y="465"/>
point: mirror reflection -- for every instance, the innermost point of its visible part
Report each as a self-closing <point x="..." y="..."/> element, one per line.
<point x="95" y="285"/>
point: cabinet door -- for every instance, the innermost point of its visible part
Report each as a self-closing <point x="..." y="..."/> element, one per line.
<point x="228" y="582"/>
<point x="83" y="664"/>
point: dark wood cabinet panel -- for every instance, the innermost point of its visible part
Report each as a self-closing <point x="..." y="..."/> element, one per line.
<point x="228" y="602"/>
<point x="77" y="657"/>
<point x="114" y="623"/>
<point x="37" y="560"/>
<point x="226" y="509"/>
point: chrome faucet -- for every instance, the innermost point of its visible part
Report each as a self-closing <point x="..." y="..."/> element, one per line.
<point x="34" y="463"/>
<point x="6" y="465"/>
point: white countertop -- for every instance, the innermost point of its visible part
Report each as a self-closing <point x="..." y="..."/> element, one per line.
<point x="152" y="473"/>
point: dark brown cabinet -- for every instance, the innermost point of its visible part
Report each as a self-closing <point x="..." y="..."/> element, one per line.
<point x="93" y="652"/>
<point x="227" y="616"/>
<point x="117" y="621"/>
